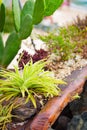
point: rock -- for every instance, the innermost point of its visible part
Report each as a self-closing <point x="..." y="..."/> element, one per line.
<point x="54" y="58"/>
<point x="70" y="62"/>
<point x="63" y="119"/>
<point x="84" y="116"/>
<point x="78" y="106"/>
<point x="62" y="123"/>
<point x="78" y="122"/>
<point x="25" y="111"/>
<point x="77" y="58"/>
<point x="84" y="126"/>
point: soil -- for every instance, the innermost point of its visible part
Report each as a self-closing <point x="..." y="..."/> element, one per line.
<point x="62" y="69"/>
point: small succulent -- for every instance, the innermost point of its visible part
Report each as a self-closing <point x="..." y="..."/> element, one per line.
<point x="24" y="57"/>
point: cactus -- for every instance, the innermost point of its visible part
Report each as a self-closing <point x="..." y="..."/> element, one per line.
<point x="38" y="13"/>
<point x="16" y="13"/>
<point x="27" y="9"/>
<point x="32" y="13"/>
<point x="11" y="48"/>
<point x="51" y="6"/>
<point x="36" y="9"/>
<point x="26" y="27"/>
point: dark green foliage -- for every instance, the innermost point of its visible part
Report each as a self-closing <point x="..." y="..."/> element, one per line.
<point x="26" y="27"/>
<point x="38" y="11"/>
<point x="28" y="8"/>
<point x="1" y="47"/>
<point x="2" y="17"/>
<point x="16" y="12"/>
<point x="51" y="6"/>
<point x="11" y="48"/>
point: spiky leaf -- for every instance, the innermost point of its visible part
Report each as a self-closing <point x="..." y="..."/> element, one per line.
<point x="32" y="81"/>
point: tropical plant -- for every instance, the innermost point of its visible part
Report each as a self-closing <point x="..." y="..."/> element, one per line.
<point x="32" y="81"/>
<point x="32" y="13"/>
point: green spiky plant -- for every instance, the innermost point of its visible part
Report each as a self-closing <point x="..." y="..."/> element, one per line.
<point x="33" y="80"/>
<point x="5" y="116"/>
<point x="31" y="83"/>
<point x="31" y="14"/>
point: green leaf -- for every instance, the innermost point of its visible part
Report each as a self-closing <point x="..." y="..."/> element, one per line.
<point x="51" y="6"/>
<point x="1" y="48"/>
<point x="38" y="11"/>
<point x="35" y="8"/>
<point x="2" y="17"/>
<point x="11" y="48"/>
<point x="27" y="9"/>
<point x="16" y="14"/>
<point x="33" y="100"/>
<point x="26" y="27"/>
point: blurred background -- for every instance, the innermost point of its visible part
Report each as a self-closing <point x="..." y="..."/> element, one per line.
<point x="65" y="15"/>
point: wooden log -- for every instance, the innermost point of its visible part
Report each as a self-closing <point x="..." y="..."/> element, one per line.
<point x="47" y="116"/>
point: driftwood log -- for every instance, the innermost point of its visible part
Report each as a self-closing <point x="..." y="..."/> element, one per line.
<point x="47" y="116"/>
